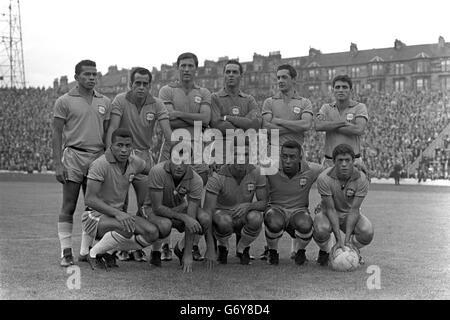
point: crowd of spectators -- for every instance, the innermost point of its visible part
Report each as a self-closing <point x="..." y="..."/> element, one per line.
<point x="401" y="126"/>
<point x="26" y="129"/>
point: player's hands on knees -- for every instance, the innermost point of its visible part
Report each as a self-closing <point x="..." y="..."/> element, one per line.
<point x="192" y="225"/>
<point x="187" y="263"/>
<point x="61" y="173"/>
<point x="241" y="210"/>
<point x="128" y="221"/>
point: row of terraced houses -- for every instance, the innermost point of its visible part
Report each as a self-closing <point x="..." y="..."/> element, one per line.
<point x="398" y="68"/>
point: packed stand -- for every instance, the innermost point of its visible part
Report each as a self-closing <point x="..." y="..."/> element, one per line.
<point x="26" y="129"/>
<point x="401" y="126"/>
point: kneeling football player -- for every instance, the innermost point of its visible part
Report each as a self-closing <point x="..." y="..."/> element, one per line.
<point x="229" y="198"/>
<point x="109" y="179"/>
<point x="175" y="191"/>
<point x="343" y="188"/>
<point x="288" y="203"/>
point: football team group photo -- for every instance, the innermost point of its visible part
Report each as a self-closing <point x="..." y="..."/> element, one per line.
<point x="324" y="176"/>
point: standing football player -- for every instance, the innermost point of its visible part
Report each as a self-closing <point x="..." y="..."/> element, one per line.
<point x="287" y="111"/>
<point x="80" y="121"/>
<point x="343" y="121"/>
<point x="231" y="108"/>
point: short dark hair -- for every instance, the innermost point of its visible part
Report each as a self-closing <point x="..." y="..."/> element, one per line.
<point x="121" y="132"/>
<point x="233" y="62"/>
<point x="292" y="144"/>
<point x="288" y="67"/>
<point x="343" y="148"/>
<point x="343" y="78"/>
<point x="83" y="63"/>
<point x="187" y="55"/>
<point x="139" y="70"/>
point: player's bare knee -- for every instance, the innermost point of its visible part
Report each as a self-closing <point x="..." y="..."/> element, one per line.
<point x="204" y="218"/>
<point x="273" y="221"/>
<point x="321" y="232"/>
<point x="164" y="227"/>
<point x="302" y="222"/>
<point x="254" y="220"/>
<point x="365" y="234"/>
<point x="274" y="226"/>
<point x="151" y="233"/>
<point x="223" y="225"/>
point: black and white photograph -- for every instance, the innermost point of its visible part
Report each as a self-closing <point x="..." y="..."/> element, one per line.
<point x="232" y="152"/>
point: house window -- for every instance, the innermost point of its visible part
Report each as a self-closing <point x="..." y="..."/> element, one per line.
<point x="399" y="85"/>
<point x="422" y="66"/>
<point x="313" y="87"/>
<point x="313" y="73"/>
<point x="422" y="84"/>
<point x="355" y="71"/>
<point x="331" y="74"/>
<point x="399" y="68"/>
<point x="123" y="80"/>
<point x="445" y="65"/>
<point x="377" y="69"/>
<point x="445" y="83"/>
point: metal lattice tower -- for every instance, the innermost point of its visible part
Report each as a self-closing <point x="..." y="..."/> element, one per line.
<point x="12" y="68"/>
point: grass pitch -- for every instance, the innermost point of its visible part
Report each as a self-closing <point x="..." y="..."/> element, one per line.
<point x="411" y="247"/>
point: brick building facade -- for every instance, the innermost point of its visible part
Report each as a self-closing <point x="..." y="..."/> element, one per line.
<point x="398" y="68"/>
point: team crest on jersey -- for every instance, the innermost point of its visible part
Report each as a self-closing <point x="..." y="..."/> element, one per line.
<point x="198" y="99"/>
<point x="150" y="116"/>
<point x="350" y="193"/>
<point x="180" y="191"/>
<point x="297" y="110"/>
<point x="350" y="116"/>
<point x="235" y="111"/>
<point x="320" y="117"/>
<point x="251" y="187"/>
<point x="303" y="182"/>
<point x="101" y="109"/>
<point x="131" y="177"/>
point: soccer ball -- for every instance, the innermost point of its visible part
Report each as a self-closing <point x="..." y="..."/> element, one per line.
<point x="347" y="260"/>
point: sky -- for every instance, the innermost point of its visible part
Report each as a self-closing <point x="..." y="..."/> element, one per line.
<point x="59" y="33"/>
